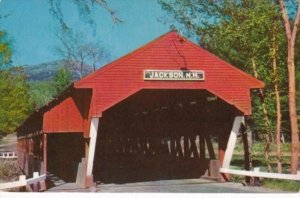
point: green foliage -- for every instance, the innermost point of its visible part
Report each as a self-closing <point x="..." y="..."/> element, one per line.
<point x="247" y="34"/>
<point x="62" y="79"/>
<point x="15" y="103"/>
<point x="286" y="185"/>
<point x="257" y="148"/>
<point x="237" y="178"/>
<point x="5" y="50"/>
<point x="282" y="184"/>
<point x="42" y="92"/>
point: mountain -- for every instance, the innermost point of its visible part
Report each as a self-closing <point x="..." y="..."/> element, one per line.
<point x="46" y="71"/>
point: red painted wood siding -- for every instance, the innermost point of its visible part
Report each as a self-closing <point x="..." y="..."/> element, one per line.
<point x="64" y="117"/>
<point x="69" y="115"/>
<point x="30" y="153"/>
<point x="124" y="77"/>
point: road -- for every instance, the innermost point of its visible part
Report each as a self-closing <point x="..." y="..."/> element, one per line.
<point x="167" y="186"/>
<point x="9" y="143"/>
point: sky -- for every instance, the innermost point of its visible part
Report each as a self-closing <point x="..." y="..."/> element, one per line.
<point x="32" y="29"/>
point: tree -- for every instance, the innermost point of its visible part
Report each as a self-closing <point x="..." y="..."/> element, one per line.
<point x="248" y="35"/>
<point x="15" y="103"/>
<point x="76" y="51"/>
<point x="85" y="9"/>
<point x="291" y="34"/>
<point x="96" y="54"/>
<point x="277" y="96"/>
<point x="72" y="51"/>
<point x="41" y="92"/>
<point x="297" y="64"/>
<point x="15" y="99"/>
<point x="5" y="50"/>
<point x="62" y="79"/>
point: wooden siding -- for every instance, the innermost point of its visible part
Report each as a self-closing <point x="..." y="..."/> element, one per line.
<point x="69" y="115"/>
<point x="30" y="152"/>
<point x="64" y="117"/>
<point x="124" y="77"/>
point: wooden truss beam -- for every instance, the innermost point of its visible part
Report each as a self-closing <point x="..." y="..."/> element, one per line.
<point x="232" y="140"/>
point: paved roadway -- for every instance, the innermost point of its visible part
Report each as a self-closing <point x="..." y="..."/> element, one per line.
<point x="167" y="186"/>
<point x="9" y="143"/>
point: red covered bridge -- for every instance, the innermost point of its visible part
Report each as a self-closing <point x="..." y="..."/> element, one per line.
<point x="149" y="115"/>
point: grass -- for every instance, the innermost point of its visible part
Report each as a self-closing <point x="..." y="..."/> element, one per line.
<point x="258" y="160"/>
<point x="258" y="148"/>
<point x="284" y="185"/>
<point x="237" y="178"/>
<point x="279" y="184"/>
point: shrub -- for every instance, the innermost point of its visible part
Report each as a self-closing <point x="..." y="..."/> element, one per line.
<point x="9" y="170"/>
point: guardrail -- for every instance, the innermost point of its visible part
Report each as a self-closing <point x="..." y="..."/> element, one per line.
<point x="36" y="183"/>
<point x="257" y="173"/>
<point x="8" y="155"/>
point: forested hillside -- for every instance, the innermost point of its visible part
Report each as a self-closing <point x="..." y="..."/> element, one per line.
<point x="46" y="71"/>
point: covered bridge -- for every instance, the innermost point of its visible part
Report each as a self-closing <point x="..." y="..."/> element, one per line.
<point x="149" y="115"/>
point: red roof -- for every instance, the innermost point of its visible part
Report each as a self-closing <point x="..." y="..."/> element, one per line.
<point x="124" y="77"/>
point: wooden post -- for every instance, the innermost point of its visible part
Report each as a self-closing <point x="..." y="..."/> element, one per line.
<point x="222" y="142"/>
<point x="221" y="153"/>
<point x="186" y="146"/>
<point x="246" y="153"/>
<point x="202" y="146"/>
<point x="92" y="147"/>
<point x="36" y="184"/>
<point x="232" y="140"/>
<point x="44" y="167"/>
<point x="256" y="179"/>
<point x="22" y="179"/>
<point x="210" y="147"/>
<point x="87" y="147"/>
<point x="44" y="163"/>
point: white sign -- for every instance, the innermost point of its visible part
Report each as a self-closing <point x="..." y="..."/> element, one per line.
<point x="182" y="75"/>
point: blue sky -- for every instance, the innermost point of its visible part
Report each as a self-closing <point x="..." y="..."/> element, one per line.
<point x="31" y="28"/>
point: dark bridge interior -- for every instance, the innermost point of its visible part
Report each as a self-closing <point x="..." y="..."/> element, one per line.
<point x="160" y="134"/>
<point x="65" y="151"/>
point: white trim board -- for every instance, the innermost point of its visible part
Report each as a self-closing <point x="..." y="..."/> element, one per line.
<point x="92" y="146"/>
<point x="232" y="140"/>
<point x="261" y="174"/>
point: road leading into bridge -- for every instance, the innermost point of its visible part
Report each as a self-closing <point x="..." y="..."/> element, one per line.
<point x="167" y="186"/>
